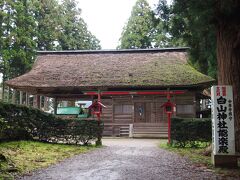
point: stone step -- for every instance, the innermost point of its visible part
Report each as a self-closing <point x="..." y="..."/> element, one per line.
<point x="150" y="135"/>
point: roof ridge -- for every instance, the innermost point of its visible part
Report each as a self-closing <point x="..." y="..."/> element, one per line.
<point x="117" y="51"/>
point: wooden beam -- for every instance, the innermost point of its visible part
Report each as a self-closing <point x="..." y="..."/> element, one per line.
<point x="106" y="93"/>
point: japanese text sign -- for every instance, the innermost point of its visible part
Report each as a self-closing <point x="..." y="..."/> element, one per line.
<point x="222" y="120"/>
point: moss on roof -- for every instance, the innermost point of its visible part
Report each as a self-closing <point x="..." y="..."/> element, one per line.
<point x="168" y="73"/>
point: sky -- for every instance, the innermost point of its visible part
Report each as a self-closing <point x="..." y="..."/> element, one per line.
<point x="106" y="18"/>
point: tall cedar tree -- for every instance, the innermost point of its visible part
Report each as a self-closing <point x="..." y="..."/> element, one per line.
<point x="162" y="26"/>
<point x="22" y="46"/>
<point x="176" y="25"/>
<point x="197" y="31"/>
<point x="228" y="51"/>
<point x="27" y="26"/>
<point x="74" y="34"/>
<point x="17" y="45"/>
<point x="3" y="61"/>
<point x="17" y="32"/>
<point x="225" y="17"/>
<point x="47" y="16"/>
<point x="139" y="29"/>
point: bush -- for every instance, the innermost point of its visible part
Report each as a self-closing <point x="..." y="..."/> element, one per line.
<point x="23" y="123"/>
<point x="190" y="131"/>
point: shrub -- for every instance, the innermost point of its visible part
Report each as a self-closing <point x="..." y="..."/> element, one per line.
<point x="23" y="123"/>
<point x="190" y="131"/>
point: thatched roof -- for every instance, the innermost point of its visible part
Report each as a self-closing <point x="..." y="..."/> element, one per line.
<point x="89" y="70"/>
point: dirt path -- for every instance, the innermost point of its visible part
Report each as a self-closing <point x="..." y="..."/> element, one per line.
<point x="125" y="159"/>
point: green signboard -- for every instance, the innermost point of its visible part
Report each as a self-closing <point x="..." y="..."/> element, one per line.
<point x="68" y="110"/>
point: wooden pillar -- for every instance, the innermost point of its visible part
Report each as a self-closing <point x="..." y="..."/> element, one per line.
<point x="45" y="106"/>
<point x="8" y="94"/>
<point x="36" y="101"/>
<point x="27" y="99"/>
<point x="14" y="96"/>
<point x="194" y="105"/>
<point x="71" y="103"/>
<point x="21" y="98"/>
<point x="55" y="103"/>
<point x="40" y="102"/>
<point x="3" y="89"/>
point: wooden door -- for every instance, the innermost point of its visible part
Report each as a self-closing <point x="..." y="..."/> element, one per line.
<point x="139" y="112"/>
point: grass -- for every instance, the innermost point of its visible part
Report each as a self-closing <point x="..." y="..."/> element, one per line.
<point x="21" y="157"/>
<point x="196" y="155"/>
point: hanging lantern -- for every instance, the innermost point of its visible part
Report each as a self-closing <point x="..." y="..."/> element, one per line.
<point x="96" y="108"/>
<point x="168" y="107"/>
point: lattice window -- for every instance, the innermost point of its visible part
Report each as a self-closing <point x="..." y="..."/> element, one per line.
<point x="185" y="109"/>
<point x="123" y="109"/>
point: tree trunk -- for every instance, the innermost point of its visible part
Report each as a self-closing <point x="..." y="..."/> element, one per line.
<point x="228" y="57"/>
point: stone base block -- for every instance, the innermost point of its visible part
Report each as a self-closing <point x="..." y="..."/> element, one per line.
<point x="230" y="161"/>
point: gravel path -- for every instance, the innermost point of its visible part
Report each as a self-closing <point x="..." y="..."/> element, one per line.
<point x="125" y="159"/>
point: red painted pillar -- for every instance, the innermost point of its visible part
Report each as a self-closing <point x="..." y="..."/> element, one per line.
<point x="169" y="127"/>
<point x="99" y="108"/>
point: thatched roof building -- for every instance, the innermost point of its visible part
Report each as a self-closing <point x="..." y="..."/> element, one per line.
<point x="70" y="72"/>
<point x="133" y="85"/>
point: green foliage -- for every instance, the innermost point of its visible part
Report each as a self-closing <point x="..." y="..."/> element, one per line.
<point x="188" y="23"/>
<point x="60" y="27"/>
<point x="184" y="23"/>
<point x="139" y="29"/>
<point x="162" y="36"/>
<point x="47" y="15"/>
<point x="197" y="31"/>
<point x="18" y="45"/>
<point x="190" y="131"/>
<point x="23" y="123"/>
<point x="74" y="34"/>
<point x="28" y="26"/>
